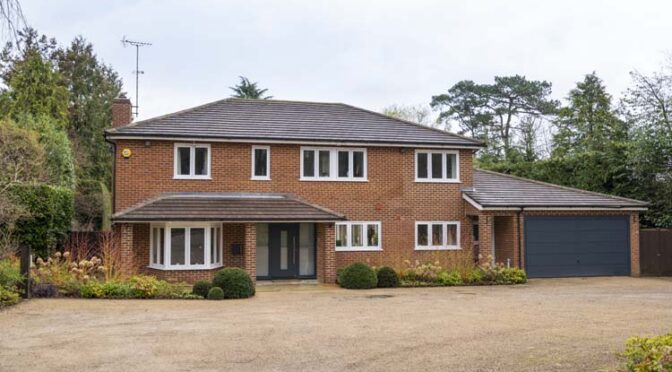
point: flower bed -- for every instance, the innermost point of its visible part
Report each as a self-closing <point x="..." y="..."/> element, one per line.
<point x="62" y="275"/>
<point x="429" y="275"/>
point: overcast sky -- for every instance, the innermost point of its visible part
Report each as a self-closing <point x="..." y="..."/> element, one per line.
<point x="366" y="53"/>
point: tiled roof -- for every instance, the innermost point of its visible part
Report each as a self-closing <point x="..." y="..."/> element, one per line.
<point x="253" y="119"/>
<point x="497" y="190"/>
<point x="226" y="207"/>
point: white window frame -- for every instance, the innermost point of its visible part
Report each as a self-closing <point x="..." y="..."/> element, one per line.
<point x="444" y="246"/>
<point x="267" y="177"/>
<point x="349" y="248"/>
<point x="444" y="156"/>
<point x="333" y="164"/>
<point x="192" y="161"/>
<point x="168" y="226"/>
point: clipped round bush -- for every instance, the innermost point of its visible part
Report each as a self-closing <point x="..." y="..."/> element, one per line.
<point x="201" y="288"/>
<point x="358" y="276"/>
<point x="387" y="277"/>
<point x="235" y="283"/>
<point x="215" y="293"/>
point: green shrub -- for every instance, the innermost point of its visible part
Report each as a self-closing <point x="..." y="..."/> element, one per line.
<point x="201" y="288"/>
<point x="144" y="286"/>
<point x="449" y="278"/>
<point x="215" y="293"/>
<point x="51" y="210"/>
<point x="648" y="353"/>
<point x="92" y="289"/>
<point x="8" y="297"/>
<point x="234" y="282"/>
<point x="10" y="275"/>
<point x="114" y="289"/>
<point x="358" y="276"/>
<point x="511" y="276"/>
<point x="387" y="277"/>
<point x="475" y="276"/>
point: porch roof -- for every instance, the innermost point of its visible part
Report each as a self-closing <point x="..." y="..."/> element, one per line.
<point x="226" y="207"/>
<point x="494" y="190"/>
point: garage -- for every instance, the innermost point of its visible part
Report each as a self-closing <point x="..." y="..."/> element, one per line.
<point x="566" y="246"/>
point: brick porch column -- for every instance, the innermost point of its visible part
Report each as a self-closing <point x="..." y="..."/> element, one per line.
<point x="326" y="253"/>
<point x="634" y="245"/>
<point x="250" y="251"/>
<point x="126" y="255"/>
<point x="486" y="233"/>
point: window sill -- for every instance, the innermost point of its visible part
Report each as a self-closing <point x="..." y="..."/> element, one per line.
<point x="456" y="248"/>
<point x="358" y="249"/>
<point x="192" y="178"/>
<point x="423" y="180"/>
<point x="260" y="178"/>
<point x="333" y="179"/>
<point x="184" y="268"/>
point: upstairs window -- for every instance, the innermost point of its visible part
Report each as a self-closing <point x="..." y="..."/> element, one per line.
<point x="437" y="166"/>
<point x="333" y="164"/>
<point x="261" y="163"/>
<point x="192" y="161"/>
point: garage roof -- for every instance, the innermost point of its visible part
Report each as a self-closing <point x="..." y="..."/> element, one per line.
<point x="496" y="191"/>
<point x="226" y="207"/>
<point x="289" y="121"/>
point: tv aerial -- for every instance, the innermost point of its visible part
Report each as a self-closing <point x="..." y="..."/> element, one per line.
<point x="137" y="72"/>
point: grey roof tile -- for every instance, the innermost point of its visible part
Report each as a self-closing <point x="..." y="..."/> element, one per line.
<point x="251" y="119"/>
<point x="226" y="207"/>
<point x="497" y="190"/>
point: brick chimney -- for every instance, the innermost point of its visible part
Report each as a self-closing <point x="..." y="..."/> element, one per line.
<point x="121" y="111"/>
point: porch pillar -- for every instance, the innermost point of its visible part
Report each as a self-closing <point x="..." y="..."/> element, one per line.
<point x="486" y="233"/>
<point x="250" y="251"/>
<point x="126" y="255"/>
<point x="326" y="253"/>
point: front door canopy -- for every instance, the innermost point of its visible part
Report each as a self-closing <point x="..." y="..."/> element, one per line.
<point x="227" y="207"/>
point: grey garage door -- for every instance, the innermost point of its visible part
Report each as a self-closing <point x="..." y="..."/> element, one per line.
<point x="577" y="246"/>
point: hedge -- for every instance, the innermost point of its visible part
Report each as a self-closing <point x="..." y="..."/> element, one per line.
<point x="51" y="209"/>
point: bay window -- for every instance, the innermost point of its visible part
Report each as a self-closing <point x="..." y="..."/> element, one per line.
<point x="333" y="164"/>
<point x="192" y="161"/>
<point x="437" y="166"/>
<point x="437" y="235"/>
<point x="358" y="236"/>
<point x="185" y="246"/>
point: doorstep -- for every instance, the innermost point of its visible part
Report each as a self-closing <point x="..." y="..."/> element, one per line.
<point x="290" y="285"/>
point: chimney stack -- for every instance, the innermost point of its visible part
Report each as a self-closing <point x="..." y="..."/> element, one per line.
<point x="122" y="111"/>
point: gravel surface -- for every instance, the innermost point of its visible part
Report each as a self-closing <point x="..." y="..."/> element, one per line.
<point x="551" y="324"/>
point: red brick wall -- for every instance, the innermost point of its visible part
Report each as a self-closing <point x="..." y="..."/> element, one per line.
<point x="390" y="195"/>
<point x="505" y="236"/>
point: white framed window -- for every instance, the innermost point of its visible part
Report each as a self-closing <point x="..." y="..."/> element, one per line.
<point x="358" y="236"/>
<point x="333" y="164"/>
<point x="437" y="235"/>
<point x="437" y="166"/>
<point x="192" y="161"/>
<point x="261" y="163"/>
<point x="185" y="246"/>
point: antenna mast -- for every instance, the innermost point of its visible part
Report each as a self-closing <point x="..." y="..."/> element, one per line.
<point x="137" y="72"/>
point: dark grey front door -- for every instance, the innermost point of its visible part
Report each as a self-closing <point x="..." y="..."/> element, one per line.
<point x="283" y="240"/>
<point x="577" y="246"/>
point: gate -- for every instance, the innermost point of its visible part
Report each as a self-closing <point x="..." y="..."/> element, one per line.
<point x="655" y="251"/>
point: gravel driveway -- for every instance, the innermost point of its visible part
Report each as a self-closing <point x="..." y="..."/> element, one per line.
<point x="552" y="324"/>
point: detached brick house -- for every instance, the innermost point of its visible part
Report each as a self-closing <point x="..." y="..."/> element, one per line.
<point x="299" y="189"/>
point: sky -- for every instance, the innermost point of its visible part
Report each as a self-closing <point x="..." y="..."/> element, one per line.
<point x="370" y="54"/>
